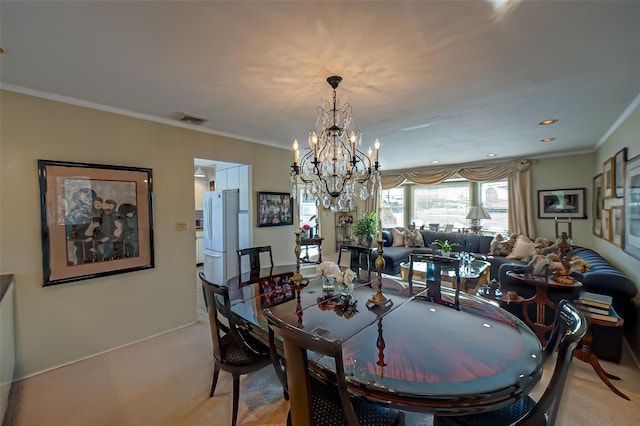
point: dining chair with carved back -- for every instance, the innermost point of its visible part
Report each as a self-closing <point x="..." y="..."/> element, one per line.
<point x="434" y="268"/>
<point x="570" y="326"/>
<point x="358" y="258"/>
<point x="231" y="352"/>
<point x="254" y="254"/>
<point x="317" y="402"/>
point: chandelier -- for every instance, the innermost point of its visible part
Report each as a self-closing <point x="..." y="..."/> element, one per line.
<point x="332" y="168"/>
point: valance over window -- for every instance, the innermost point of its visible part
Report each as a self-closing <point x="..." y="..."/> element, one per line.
<point x="517" y="173"/>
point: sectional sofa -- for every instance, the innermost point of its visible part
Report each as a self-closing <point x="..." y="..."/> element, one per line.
<point x="477" y="244"/>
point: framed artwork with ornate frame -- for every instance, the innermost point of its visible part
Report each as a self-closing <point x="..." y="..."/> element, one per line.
<point x="606" y="224"/>
<point x="620" y="167"/>
<point x="617" y="225"/>
<point x="562" y="203"/>
<point x="632" y="208"/>
<point x="608" y="177"/>
<point x="275" y="209"/>
<point x="96" y="220"/>
<point x="598" y="204"/>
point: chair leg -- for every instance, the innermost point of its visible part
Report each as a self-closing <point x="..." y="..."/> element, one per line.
<point x="236" y="397"/>
<point x="216" y="372"/>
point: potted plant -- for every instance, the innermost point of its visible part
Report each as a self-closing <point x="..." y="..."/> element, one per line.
<point x="366" y="228"/>
<point x="445" y="246"/>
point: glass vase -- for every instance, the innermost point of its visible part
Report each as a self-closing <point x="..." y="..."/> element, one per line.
<point x="328" y="283"/>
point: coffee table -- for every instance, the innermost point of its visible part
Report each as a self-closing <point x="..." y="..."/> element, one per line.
<point x="470" y="278"/>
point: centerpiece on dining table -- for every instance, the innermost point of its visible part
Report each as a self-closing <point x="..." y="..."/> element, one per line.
<point x="335" y="279"/>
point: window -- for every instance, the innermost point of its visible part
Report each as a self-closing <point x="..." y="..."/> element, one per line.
<point x="495" y="199"/>
<point x="392" y="207"/>
<point x="443" y="204"/>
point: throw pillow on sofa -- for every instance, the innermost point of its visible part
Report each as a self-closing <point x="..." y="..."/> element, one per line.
<point x="398" y="238"/>
<point x="500" y="246"/>
<point x="387" y="238"/>
<point x="521" y="249"/>
<point x="413" y="237"/>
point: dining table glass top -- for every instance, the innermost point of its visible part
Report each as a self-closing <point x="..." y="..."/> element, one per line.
<point x="414" y="352"/>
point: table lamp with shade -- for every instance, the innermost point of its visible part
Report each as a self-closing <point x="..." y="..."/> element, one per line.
<point x="476" y="214"/>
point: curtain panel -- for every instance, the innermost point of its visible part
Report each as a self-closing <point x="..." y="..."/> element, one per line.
<point x="517" y="173"/>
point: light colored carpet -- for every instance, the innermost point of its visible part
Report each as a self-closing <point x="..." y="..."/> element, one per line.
<point x="165" y="381"/>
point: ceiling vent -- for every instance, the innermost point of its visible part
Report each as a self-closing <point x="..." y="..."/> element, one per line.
<point x="191" y="119"/>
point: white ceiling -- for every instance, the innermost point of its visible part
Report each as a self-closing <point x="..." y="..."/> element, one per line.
<point x="468" y="79"/>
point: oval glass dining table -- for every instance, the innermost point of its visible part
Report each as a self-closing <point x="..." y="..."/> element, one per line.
<point x="414" y="354"/>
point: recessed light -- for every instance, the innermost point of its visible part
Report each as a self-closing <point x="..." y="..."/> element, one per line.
<point x="435" y="162"/>
<point x="492" y="155"/>
<point x="549" y="121"/>
<point x="547" y="140"/>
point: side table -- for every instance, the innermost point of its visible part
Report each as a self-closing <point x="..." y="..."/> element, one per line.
<point x="306" y="242"/>
<point x="540" y="325"/>
<point x="584" y="353"/>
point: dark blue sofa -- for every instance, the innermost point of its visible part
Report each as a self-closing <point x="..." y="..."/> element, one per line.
<point x="474" y="243"/>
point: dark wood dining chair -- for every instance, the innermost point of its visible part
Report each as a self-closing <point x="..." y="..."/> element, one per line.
<point x="570" y="326"/>
<point x="435" y="265"/>
<point x="358" y="258"/>
<point x="254" y="258"/>
<point x="315" y="402"/>
<point x="230" y="351"/>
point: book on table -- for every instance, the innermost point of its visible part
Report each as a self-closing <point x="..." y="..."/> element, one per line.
<point x="594" y="310"/>
<point x="612" y="316"/>
<point x="601" y="301"/>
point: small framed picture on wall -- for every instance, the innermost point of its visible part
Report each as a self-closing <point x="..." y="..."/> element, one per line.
<point x="617" y="225"/>
<point x="597" y="205"/>
<point x="608" y="177"/>
<point x="606" y="224"/>
<point x="620" y="168"/>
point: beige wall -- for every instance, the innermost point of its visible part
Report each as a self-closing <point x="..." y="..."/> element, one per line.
<point x="63" y="323"/>
<point x="567" y="172"/>
<point x="627" y="135"/>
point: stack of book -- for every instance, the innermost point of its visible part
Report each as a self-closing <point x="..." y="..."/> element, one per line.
<point x="598" y="306"/>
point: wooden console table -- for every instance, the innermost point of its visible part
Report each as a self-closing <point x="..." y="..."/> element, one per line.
<point x="306" y="242"/>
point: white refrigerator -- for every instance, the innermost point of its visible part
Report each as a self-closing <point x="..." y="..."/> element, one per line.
<point x="221" y="234"/>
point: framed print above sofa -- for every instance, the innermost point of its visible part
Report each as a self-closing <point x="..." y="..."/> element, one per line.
<point x="562" y="203"/>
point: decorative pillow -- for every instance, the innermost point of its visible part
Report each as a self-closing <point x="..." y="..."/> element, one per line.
<point x="398" y="238"/>
<point x="387" y="238"/>
<point x="501" y="247"/>
<point x="413" y="238"/>
<point x="521" y="249"/>
<point x="579" y="265"/>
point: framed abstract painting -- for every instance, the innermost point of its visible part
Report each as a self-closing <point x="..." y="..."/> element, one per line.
<point x="95" y="220"/>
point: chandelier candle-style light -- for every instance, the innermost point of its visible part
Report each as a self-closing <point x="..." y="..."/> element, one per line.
<point x="333" y="169"/>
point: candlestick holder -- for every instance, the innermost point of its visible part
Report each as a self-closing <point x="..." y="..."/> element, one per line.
<point x="297" y="279"/>
<point x="379" y="298"/>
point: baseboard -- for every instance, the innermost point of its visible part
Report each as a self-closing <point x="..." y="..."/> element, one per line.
<point x="632" y="353"/>
<point x="103" y="352"/>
